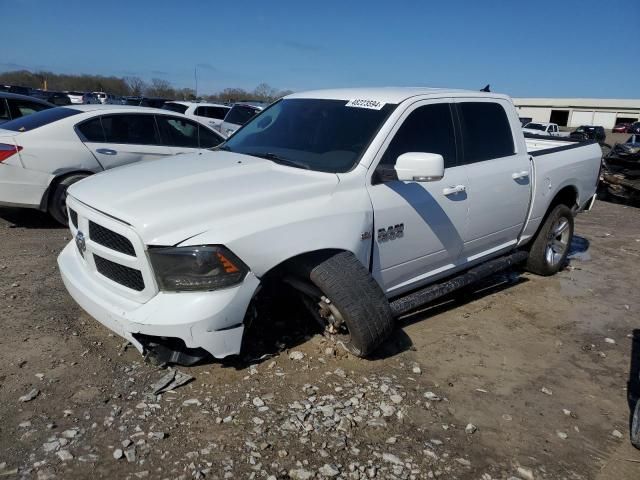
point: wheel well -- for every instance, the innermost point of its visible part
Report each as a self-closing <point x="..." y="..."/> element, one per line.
<point x="274" y="308"/>
<point x="567" y="196"/>
<point x="44" y="205"/>
<point x="299" y="264"/>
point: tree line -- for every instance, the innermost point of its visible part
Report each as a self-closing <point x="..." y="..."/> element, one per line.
<point x="133" y="86"/>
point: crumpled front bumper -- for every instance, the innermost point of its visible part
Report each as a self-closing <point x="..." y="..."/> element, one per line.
<point x="212" y="321"/>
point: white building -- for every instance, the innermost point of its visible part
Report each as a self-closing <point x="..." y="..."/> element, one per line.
<point x="573" y="112"/>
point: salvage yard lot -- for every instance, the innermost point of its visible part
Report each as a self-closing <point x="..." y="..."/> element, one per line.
<point x="482" y="358"/>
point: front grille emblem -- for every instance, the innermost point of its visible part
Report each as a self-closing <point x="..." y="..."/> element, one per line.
<point x="80" y="243"/>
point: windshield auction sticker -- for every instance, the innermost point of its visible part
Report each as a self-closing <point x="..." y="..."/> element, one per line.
<point x="361" y="103"/>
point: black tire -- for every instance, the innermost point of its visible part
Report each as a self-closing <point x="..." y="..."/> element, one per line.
<point x="359" y="299"/>
<point x="635" y="426"/>
<point x="57" y="206"/>
<point x="540" y="261"/>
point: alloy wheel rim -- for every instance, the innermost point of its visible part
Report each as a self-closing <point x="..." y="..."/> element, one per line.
<point x="558" y="241"/>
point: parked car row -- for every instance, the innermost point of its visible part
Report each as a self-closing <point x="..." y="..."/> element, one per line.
<point x="627" y="128"/>
<point x="583" y="132"/>
<point x="226" y="119"/>
<point x="589" y="132"/>
<point x="42" y="154"/>
<point x="13" y="106"/>
<point x="210" y="113"/>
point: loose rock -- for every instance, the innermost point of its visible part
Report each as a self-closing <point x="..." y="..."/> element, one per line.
<point x="30" y="396"/>
<point x="64" y="455"/>
<point x="296" y="355"/>
<point x="329" y="470"/>
<point x="300" y="474"/>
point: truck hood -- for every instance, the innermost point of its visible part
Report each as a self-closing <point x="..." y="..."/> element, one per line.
<point x="172" y="199"/>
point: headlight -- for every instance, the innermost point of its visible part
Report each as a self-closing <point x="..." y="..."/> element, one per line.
<point x="187" y="269"/>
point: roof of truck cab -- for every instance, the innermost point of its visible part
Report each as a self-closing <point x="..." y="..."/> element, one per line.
<point x="390" y="94"/>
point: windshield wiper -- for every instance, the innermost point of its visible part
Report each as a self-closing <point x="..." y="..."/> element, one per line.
<point x="274" y="157"/>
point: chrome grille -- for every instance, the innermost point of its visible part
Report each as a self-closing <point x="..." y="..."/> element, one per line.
<point x="110" y="239"/>
<point x="129" y="277"/>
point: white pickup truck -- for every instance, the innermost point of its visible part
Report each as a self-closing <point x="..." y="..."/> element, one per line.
<point x="363" y="203"/>
<point x="543" y="128"/>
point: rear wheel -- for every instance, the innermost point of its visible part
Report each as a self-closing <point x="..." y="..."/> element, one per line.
<point x="58" y="199"/>
<point x="550" y="248"/>
<point x="350" y="305"/>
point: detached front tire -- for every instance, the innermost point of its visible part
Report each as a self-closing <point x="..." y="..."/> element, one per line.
<point x="58" y="200"/>
<point x="352" y="303"/>
<point x="550" y="248"/>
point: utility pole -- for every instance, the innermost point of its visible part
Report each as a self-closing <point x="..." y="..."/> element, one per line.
<point x="195" y="74"/>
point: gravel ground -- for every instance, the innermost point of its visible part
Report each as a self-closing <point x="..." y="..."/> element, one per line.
<point x="522" y="378"/>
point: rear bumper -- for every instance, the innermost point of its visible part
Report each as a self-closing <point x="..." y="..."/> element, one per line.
<point x="212" y="321"/>
<point x="20" y="187"/>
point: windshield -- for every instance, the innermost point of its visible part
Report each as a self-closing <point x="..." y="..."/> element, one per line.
<point x="535" y="126"/>
<point x="321" y="135"/>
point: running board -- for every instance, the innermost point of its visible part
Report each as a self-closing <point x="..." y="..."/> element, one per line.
<point x="409" y="302"/>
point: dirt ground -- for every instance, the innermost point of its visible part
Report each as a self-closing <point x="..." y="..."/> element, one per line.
<point x="524" y="378"/>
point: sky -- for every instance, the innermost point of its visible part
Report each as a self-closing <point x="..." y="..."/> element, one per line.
<point x="565" y="48"/>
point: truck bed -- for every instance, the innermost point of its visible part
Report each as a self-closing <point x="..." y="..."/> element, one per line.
<point x="559" y="162"/>
<point x="541" y="144"/>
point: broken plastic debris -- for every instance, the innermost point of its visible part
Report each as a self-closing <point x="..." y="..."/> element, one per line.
<point x="173" y="379"/>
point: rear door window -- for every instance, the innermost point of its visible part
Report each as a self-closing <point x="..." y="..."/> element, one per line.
<point x="217" y="113"/>
<point x="178" y="132"/>
<point x="91" y="131"/>
<point x="427" y="129"/>
<point x="137" y="129"/>
<point x="39" y="119"/>
<point x="486" y="133"/>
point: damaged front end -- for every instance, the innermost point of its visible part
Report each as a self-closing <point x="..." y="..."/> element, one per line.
<point x="169" y="351"/>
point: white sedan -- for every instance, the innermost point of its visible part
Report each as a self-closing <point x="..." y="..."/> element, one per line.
<point x="43" y="154"/>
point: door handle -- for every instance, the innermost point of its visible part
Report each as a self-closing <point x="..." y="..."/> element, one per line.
<point x="454" y="189"/>
<point x="106" y="151"/>
<point x="519" y="175"/>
